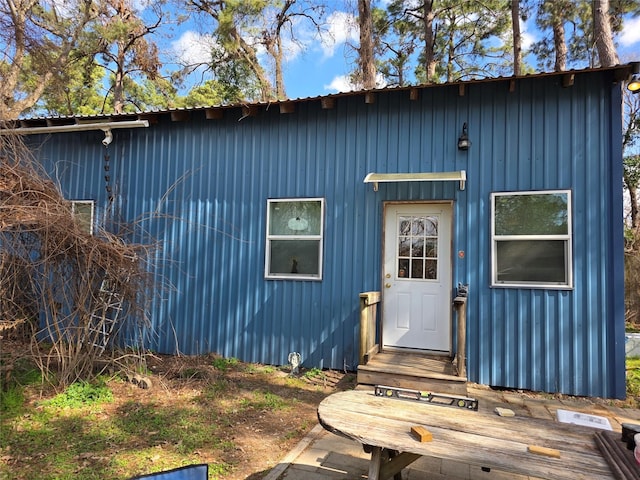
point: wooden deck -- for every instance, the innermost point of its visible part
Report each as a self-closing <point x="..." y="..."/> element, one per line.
<point x="412" y="370"/>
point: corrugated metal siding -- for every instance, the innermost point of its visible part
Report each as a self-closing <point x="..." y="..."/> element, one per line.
<point x="208" y="182"/>
<point x="545" y="137"/>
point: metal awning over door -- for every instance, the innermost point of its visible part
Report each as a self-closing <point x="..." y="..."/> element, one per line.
<point x="375" y="178"/>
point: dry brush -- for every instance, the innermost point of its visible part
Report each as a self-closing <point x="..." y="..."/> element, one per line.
<point x="77" y="296"/>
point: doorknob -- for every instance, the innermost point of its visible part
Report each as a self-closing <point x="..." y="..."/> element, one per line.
<point x="387" y="285"/>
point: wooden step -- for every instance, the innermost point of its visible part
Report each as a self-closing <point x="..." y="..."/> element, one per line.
<point x="418" y="372"/>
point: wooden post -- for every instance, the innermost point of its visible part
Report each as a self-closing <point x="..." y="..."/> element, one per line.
<point x="460" y="304"/>
<point x="386" y="463"/>
<point x="368" y="323"/>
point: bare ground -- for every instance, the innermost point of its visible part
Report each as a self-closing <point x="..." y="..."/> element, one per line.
<point x="250" y="441"/>
<point x="260" y="438"/>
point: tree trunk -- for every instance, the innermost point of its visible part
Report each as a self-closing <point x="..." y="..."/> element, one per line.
<point x="559" y="42"/>
<point x="451" y="54"/>
<point x="233" y="42"/>
<point x="517" y="38"/>
<point x="274" y="49"/>
<point x="603" y="34"/>
<point x="281" y="94"/>
<point x="248" y="54"/>
<point x="633" y="197"/>
<point x="118" y="83"/>
<point x="367" y="65"/>
<point x="429" y="41"/>
<point x="635" y="221"/>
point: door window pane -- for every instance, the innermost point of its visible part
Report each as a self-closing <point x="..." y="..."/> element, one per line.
<point x="418" y="247"/>
<point x="431" y="247"/>
<point x="404" y="246"/>
<point x="431" y="269"/>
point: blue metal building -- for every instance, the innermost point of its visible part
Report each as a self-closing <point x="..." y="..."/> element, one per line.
<point x="269" y="231"/>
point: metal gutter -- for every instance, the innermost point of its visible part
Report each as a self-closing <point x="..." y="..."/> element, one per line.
<point x="78" y="127"/>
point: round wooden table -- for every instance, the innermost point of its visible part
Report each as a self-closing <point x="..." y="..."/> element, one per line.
<point x="383" y="426"/>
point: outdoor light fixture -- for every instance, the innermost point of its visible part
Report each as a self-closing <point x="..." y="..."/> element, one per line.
<point x="634" y="84"/>
<point x="463" y="142"/>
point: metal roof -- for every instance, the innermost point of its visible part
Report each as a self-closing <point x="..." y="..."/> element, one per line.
<point x="622" y="73"/>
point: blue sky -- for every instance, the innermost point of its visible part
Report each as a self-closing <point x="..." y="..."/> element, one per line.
<point x="320" y="65"/>
<point x="317" y="66"/>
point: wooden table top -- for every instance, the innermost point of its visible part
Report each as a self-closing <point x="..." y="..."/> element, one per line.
<point x="472" y="437"/>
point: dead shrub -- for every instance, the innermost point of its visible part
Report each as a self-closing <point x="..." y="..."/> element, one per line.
<point x="78" y="294"/>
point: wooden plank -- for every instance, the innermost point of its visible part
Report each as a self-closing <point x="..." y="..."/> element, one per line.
<point x="422" y="433"/>
<point x="371" y="353"/>
<point x="423" y="382"/>
<point x="419" y="372"/>
<point x="214" y="113"/>
<point x="461" y="347"/>
<point x="370" y="297"/>
<point x="487" y="452"/>
<point x="549" y="452"/>
<point x="411" y="371"/>
<point x="483" y="451"/>
<point x="413" y="363"/>
<point x="620" y="459"/>
<point x="396" y="464"/>
<point x="522" y="429"/>
<point x="475" y="438"/>
<point x="368" y="323"/>
<point x="327" y="103"/>
<point x="287" y="107"/>
<point x="385" y="464"/>
<point x="412" y="359"/>
<point x="375" y="464"/>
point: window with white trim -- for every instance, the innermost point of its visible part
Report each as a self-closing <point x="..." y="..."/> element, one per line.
<point x="294" y="238"/>
<point x="83" y="210"/>
<point x="531" y="239"/>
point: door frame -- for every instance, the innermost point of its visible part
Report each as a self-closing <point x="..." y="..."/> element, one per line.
<point x="393" y="203"/>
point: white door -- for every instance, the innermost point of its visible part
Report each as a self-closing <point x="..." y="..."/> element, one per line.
<point x="416" y="308"/>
